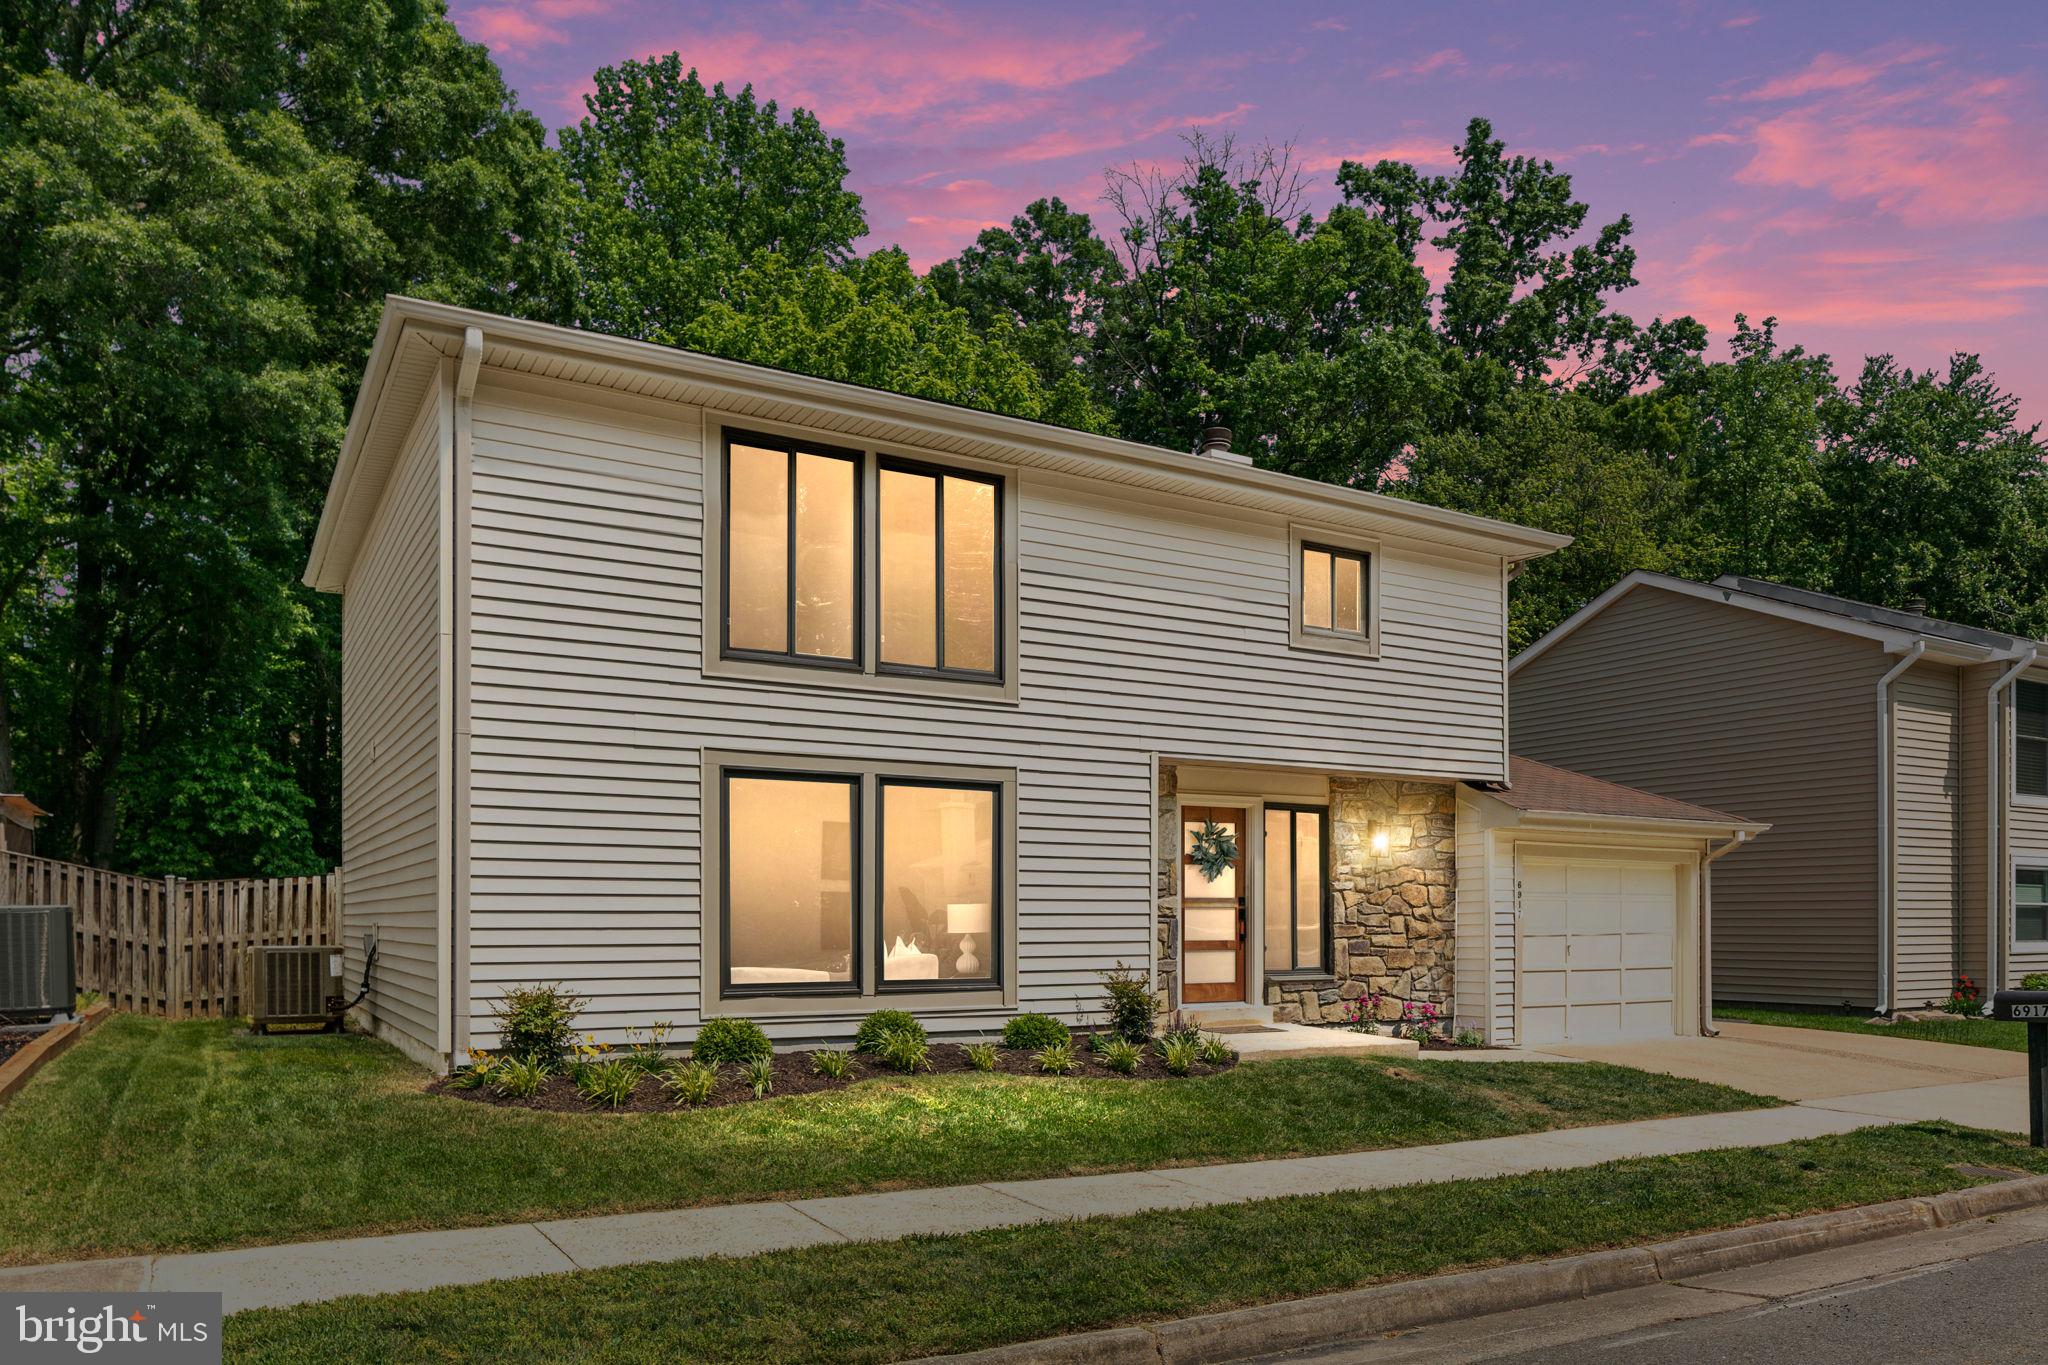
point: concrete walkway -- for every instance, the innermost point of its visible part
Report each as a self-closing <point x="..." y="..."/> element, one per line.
<point x="309" y="1271"/>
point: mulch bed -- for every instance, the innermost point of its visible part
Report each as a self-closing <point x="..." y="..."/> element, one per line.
<point x="12" y="1042"/>
<point x="793" y="1076"/>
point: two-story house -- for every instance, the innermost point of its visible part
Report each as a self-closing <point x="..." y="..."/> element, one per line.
<point x="1902" y="761"/>
<point x="707" y="689"/>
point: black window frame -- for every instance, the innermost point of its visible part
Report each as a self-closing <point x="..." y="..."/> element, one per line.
<point x="2024" y="870"/>
<point x="1323" y="918"/>
<point x="997" y="934"/>
<point x="939" y="474"/>
<point x="855" y="783"/>
<point x="2025" y="716"/>
<point x="1365" y="603"/>
<point x="792" y="447"/>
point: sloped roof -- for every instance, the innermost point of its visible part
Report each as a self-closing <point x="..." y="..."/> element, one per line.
<point x="1916" y="621"/>
<point x="1534" y="786"/>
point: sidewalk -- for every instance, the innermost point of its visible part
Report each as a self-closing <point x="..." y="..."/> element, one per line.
<point x="273" y="1276"/>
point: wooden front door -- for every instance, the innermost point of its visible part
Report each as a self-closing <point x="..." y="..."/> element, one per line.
<point x="1211" y="912"/>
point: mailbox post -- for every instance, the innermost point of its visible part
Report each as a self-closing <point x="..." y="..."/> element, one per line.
<point x="2030" y="1008"/>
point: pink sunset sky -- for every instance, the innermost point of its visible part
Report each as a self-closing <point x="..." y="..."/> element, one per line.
<point x="1865" y="172"/>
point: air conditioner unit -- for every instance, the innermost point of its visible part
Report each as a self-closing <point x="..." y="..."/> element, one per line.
<point x="36" y="977"/>
<point x="294" y="984"/>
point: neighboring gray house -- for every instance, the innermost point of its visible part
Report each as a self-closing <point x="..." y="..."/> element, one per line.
<point x="1902" y="762"/>
<point x="709" y="689"/>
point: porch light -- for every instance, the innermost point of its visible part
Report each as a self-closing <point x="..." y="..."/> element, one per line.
<point x="1381" y="840"/>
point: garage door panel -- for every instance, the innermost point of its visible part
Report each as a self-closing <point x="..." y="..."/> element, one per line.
<point x="1545" y="914"/>
<point x="1647" y="950"/>
<point x="1647" y="880"/>
<point x="1594" y="1021"/>
<point x="1544" y="879"/>
<point x="1597" y="949"/>
<point x="1542" y="1024"/>
<point x="1595" y="915"/>
<point x="1542" y="988"/>
<point x="1591" y="987"/>
<point x="1593" y="879"/>
<point x="1647" y="1019"/>
<point x="1646" y="916"/>
<point x="1647" y="983"/>
<point x="1544" y="951"/>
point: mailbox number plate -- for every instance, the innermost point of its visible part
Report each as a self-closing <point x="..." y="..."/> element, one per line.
<point x="2029" y="1011"/>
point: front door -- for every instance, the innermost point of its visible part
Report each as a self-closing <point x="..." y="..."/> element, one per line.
<point x="1211" y="911"/>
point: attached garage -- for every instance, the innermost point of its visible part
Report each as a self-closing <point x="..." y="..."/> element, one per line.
<point x="1584" y="908"/>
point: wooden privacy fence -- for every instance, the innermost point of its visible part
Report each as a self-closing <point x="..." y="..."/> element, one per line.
<point x="173" y="946"/>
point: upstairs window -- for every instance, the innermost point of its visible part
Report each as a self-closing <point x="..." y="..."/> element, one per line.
<point x="940" y="552"/>
<point x="1334" y="597"/>
<point x="2030" y="905"/>
<point x="2030" y="739"/>
<point x="792" y="567"/>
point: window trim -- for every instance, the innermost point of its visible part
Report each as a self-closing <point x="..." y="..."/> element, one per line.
<point x="888" y="463"/>
<point x="1323" y="639"/>
<point x="726" y="989"/>
<point x="777" y="670"/>
<point x="2023" y="862"/>
<point x="1324" y="967"/>
<point x="2018" y="738"/>
<point x="793" y="1002"/>
<point x="998" y="902"/>
<point x="792" y="446"/>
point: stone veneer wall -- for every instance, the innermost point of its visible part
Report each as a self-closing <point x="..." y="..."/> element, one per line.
<point x="1391" y="917"/>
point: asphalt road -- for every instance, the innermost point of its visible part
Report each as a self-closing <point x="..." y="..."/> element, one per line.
<point x="1976" y="1294"/>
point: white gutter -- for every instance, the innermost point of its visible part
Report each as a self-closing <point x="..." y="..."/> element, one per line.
<point x="1707" y="1029"/>
<point x="1887" y="890"/>
<point x="1994" y="814"/>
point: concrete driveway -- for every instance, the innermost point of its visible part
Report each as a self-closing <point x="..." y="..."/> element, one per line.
<point x="1850" y="1072"/>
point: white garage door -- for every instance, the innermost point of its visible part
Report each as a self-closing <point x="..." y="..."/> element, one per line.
<point x="1599" y="945"/>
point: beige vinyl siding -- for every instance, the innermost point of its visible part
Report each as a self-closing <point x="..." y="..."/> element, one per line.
<point x="1927" y="784"/>
<point x="1973" y="748"/>
<point x="1488" y="937"/>
<point x="1469" y="915"/>
<point x="391" y="723"/>
<point x="1146" y="626"/>
<point x="1766" y="718"/>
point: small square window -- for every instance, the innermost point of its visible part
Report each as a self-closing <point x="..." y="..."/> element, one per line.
<point x="2030" y="905"/>
<point x="1333" y="598"/>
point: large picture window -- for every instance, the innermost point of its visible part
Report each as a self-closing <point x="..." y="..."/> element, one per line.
<point x="839" y="879"/>
<point x="1297" y="895"/>
<point x="939" y="887"/>
<point x="2030" y="739"/>
<point x="790" y="857"/>
<point x="792" y="553"/>
<point x="941" y="604"/>
<point x="2030" y="906"/>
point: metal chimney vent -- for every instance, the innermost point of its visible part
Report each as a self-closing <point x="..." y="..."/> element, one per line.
<point x="36" y="980"/>
<point x="1915" y="606"/>
<point x="1215" y="444"/>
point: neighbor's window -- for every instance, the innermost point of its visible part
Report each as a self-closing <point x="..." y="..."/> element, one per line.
<point x="2030" y="905"/>
<point x="789" y="859"/>
<point x="940" y="556"/>
<point x="1297" y="842"/>
<point x="1333" y="590"/>
<point x="939" y="892"/>
<point x="2030" y="739"/>
<point x="792" y="578"/>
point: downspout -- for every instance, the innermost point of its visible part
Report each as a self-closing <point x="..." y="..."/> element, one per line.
<point x="1707" y="1029"/>
<point x="1887" y="892"/>
<point x="458" y="694"/>
<point x="1994" y="817"/>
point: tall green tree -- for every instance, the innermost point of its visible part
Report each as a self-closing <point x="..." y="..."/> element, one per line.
<point x="677" y="189"/>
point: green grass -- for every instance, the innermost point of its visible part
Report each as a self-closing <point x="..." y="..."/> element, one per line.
<point x="1970" y="1032"/>
<point x="886" y="1301"/>
<point x="160" y="1137"/>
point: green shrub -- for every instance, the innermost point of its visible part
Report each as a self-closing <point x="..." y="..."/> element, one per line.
<point x="536" y="1023"/>
<point x="518" y="1079"/>
<point x="1127" y="995"/>
<point x="981" y="1056"/>
<point x="1215" y="1051"/>
<point x="1121" y="1056"/>
<point x="761" y="1074"/>
<point x="1034" y="1031"/>
<point x="880" y="1025"/>
<point x="906" y="1052"/>
<point x="690" y="1082"/>
<point x="2034" y="981"/>
<point x="832" y="1065"/>
<point x="1098" y="1041"/>
<point x="609" y="1083"/>
<point x="730" y="1040"/>
<point x="1179" y="1055"/>
<point x="1470" y="1037"/>
<point x="649" y="1048"/>
<point x="1056" y="1059"/>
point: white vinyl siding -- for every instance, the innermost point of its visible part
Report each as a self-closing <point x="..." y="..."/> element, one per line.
<point x="1926" y="777"/>
<point x="2026" y="845"/>
<point x="391" y="746"/>
<point x="1146" y="625"/>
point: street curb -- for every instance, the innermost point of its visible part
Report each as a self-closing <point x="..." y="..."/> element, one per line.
<point x="1330" y="1319"/>
<point x="16" y="1070"/>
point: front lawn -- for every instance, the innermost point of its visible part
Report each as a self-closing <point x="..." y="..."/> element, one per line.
<point x="1970" y="1032"/>
<point x="891" y="1300"/>
<point x="166" y="1137"/>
